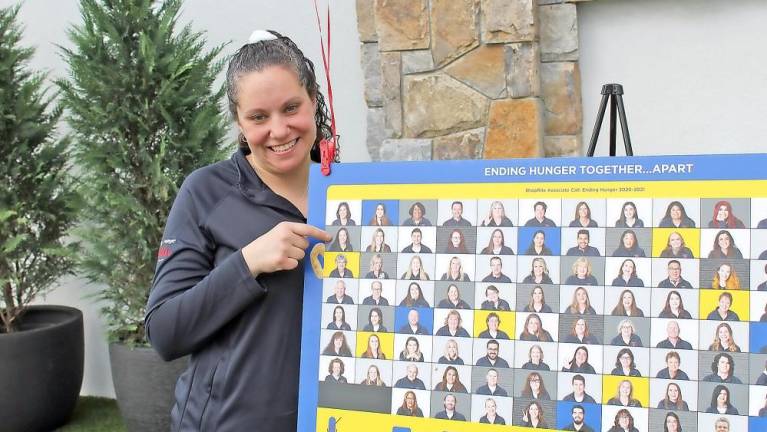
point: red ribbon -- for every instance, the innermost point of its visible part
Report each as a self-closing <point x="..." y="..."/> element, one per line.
<point x="328" y="146"/>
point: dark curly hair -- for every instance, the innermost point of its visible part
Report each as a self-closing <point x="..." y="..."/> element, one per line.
<point x="281" y="51"/>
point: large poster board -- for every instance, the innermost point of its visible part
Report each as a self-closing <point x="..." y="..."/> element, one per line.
<point x="469" y="295"/>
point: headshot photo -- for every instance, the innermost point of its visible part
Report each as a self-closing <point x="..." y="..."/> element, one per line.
<point x="676" y="214"/>
<point x="583" y="242"/>
<point x="492" y="325"/>
<point x="578" y="300"/>
<point x="496" y="241"/>
<point x="379" y="239"/>
<point x="726" y="213"/>
<point x="343" y="213"/>
<point x="456" y="240"/>
<point x="417" y="213"/>
<point x="418" y="240"/>
<point x="497" y="213"/>
<point x="537" y="213"/>
<point x="676" y="273"/>
<point x="344" y="239"/>
<point x="676" y="243"/>
<point x="538" y="241"/>
<point x="537" y="298"/>
<point x="450" y="295"/>
<point x="538" y="270"/>
<point x="632" y="213"/>
<point x="380" y="213"/>
<point x="457" y="213"/>
<point x="583" y="214"/>
<point x="491" y="298"/>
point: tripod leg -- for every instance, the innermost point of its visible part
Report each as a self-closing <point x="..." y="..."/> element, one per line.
<point x="597" y="126"/>
<point x="613" y="115"/>
<point x="624" y="127"/>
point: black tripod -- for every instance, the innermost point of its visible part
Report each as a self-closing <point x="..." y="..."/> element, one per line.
<point x="614" y="92"/>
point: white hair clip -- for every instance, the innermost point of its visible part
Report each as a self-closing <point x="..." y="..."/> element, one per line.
<point x="260" y="35"/>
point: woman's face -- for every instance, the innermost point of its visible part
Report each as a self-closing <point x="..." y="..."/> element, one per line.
<point x="343" y="237"/>
<point x="336" y="368"/>
<point x="450" y="376"/>
<point x="338" y="314"/>
<point x="276" y="116"/>
<point x="490" y="407"/>
<point x="452" y="293"/>
<point x="374" y="343"/>
<point x="676" y="212"/>
<point x="673" y="393"/>
<point x="626" y="331"/>
<point x="623" y="421"/>
<point x="338" y="342"/>
<point x="723" y="240"/>
<point x="492" y="323"/>
<point x="723" y="334"/>
<point x="581" y="357"/>
<point x="537" y="268"/>
<point x="452" y="321"/>
<point x="497" y="210"/>
<point x="721" y="399"/>
<point x="379" y="238"/>
<point x="538" y="239"/>
<point x="723" y="366"/>
<point x="627" y="268"/>
<point x="412" y="346"/>
<point x="534" y="412"/>
<point x="497" y="239"/>
<point x="455" y="265"/>
<point x="417" y="213"/>
<point x="537" y="295"/>
<point x="415" y="265"/>
<point x="372" y="374"/>
<point x="722" y="213"/>
<point x="580" y="327"/>
<point x="535" y="355"/>
<point x="627" y="299"/>
<point x="724" y="272"/>
<point x="674" y="301"/>
<point x="377" y="264"/>
<point x="625" y="360"/>
<point x="675" y="240"/>
<point x="380" y="211"/>
<point x="628" y="240"/>
<point x="583" y="211"/>
<point x="452" y="349"/>
<point x="629" y="211"/>
<point x="625" y="389"/>
<point x="535" y="383"/>
<point x="581" y="270"/>
<point x="581" y="297"/>
<point x="341" y="265"/>
<point x="533" y="325"/>
<point x="672" y="424"/>
<point x="455" y="238"/>
<point x="415" y="293"/>
<point x="343" y="211"/>
<point x="410" y="400"/>
<point x="375" y="319"/>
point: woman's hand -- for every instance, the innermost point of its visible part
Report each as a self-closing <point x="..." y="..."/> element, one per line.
<point x="281" y="248"/>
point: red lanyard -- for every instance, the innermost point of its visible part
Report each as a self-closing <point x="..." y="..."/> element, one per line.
<point x="328" y="146"/>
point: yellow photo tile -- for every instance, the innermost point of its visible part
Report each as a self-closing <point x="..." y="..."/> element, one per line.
<point x="639" y="388"/>
<point x="676" y="242"/>
<point x="366" y="340"/>
<point x="483" y="318"/>
<point x="351" y="264"/>
<point x="738" y="304"/>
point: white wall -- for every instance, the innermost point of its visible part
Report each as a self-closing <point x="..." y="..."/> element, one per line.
<point x="45" y="23"/>
<point x="694" y="73"/>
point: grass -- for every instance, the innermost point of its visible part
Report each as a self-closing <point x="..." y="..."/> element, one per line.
<point x="93" y="414"/>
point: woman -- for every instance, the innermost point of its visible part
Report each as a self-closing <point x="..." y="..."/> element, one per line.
<point x="415" y="270"/>
<point x="450" y="381"/>
<point x="629" y="246"/>
<point x="624" y="422"/>
<point x="452" y="326"/>
<point x="376" y="268"/>
<point x="236" y="316"/>
<point x="343" y="215"/>
<point x="336" y="372"/>
<point x="337" y="346"/>
<point x="579" y="363"/>
<point x="672" y="423"/>
<point x="375" y="321"/>
<point x="627" y="305"/>
<point x="496" y="245"/>
<point x="379" y="217"/>
<point x="409" y="406"/>
<point x="583" y="217"/>
<point x="676" y="248"/>
<point x="378" y="242"/>
<point x="624" y="364"/>
<point x="627" y="275"/>
<point x="414" y="297"/>
<point x="532" y="416"/>
<point x="451" y="354"/>
<point x="629" y="217"/>
<point x="373" y="377"/>
<point x="417" y="212"/>
<point x="539" y="273"/>
<point x="581" y="304"/>
<point x="723" y="340"/>
<point x="674" y="307"/>
<point x="580" y="334"/>
<point x="412" y="351"/>
<point x="626" y="335"/>
<point x="535" y="359"/>
<point x="720" y="401"/>
<point x="581" y="273"/>
<point x="455" y="271"/>
<point x="538" y="245"/>
<point x="456" y="243"/>
<point x="341" y="242"/>
<point x="496" y="217"/>
<point x="676" y="217"/>
<point x="724" y="246"/>
<point x="339" y="320"/>
<point x="725" y="278"/>
<point x="373" y="350"/>
<point x="537" y="301"/>
<point x="453" y="300"/>
<point x="533" y="330"/>
<point x="493" y="330"/>
<point x="535" y="388"/>
<point x="624" y="396"/>
<point x="724" y="217"/>
<point x="722" y="370"/>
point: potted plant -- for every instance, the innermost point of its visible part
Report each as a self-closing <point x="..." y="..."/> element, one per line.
<point x="41" y="347"/>
<point x="141" y="102"/>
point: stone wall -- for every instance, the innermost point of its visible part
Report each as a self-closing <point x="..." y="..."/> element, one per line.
<point x="470" y="79"/>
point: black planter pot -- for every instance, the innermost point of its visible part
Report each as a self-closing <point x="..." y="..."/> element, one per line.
<point x="41" y="369"/>
<point x="144" y="385"/>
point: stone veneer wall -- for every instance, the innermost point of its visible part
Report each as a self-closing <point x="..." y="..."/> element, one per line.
<point x="469" y="79"/>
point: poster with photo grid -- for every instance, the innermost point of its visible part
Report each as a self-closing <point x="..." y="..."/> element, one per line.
<point x="587" y="294"/>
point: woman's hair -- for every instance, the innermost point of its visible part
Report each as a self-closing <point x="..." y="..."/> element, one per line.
<point x="714" y="394"/>
<point x="542" y="334"/>
<point x="620" y="354"/>
<point x="462" y="276"/>
<point x="579" y="262"/>
<point x="490" y="245"/>
<point x="343" y="313"/>
<point x="731" y="221"/>
<point x="457" y="386"/>
<point x="380" y="316"/>
<point x="384" y="219"/>
<point x="404" y="401"/>
<point x="421" y="273"/>
<point x="447" y="351"/>
<point x="717" y="345"/>
<point x="540" y="410"/>
<point x="420" y="206"/>
<point x="633" y="270"/>
<point x="543" y="297"/>
<point x="668" y="242"/>
<point x="586" y="331"/>
<point x="578" y="206"/>
<point x="679" y="404"/>
<point x="530" y="352"/>
<point x="619" y="310"/>
<point x="667" y="306"/>
<point x="532" y="266"/>
<point x="344" y="350"/>
<point x="715" y="362"/>
<point x="574" y="304"/>
<point x="409" y="300"/>
<point x="461" y="248"/>
<point x="374" y="258"/>
<point x="336" y="244"/>
<point x="417" y="347"/>
<point x="632" y="234"/>
<point x="623" y="412"/>
<point x="681" y="209"/>
<point x="527" y="390"/>
<point x="370" y="354"/>
<point x="631" y="389"/>
<point x="580" y="348"/>
<point x="731" y="249"/>
<point x="378" y="381"/>
<point x="334" y="361"/>
<point x="624" y="323"/>
<point x="673" y="414"/>
<point x="345" y="205"/>
<point x="373" y="241"/>
<point x="454" y="312"/>
<point x="622" y="218"/>
<point x="732" y="282"/>
<point x="282" y="51"/>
